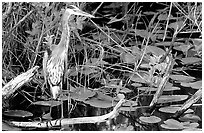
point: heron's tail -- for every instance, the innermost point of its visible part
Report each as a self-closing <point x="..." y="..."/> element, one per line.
<point x="55" y="91"/>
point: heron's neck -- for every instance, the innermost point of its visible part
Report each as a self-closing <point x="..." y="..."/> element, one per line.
<point x="64" y="42"/>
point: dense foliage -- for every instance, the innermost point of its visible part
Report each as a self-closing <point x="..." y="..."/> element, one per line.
<point x="126" y="49"/>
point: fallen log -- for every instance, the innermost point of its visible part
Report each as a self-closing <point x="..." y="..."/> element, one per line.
<point x="68" y="121"/>
<point x="16" y="83"/>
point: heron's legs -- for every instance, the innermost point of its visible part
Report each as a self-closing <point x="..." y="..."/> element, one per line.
<point x="61" y="98"/>
<point x="62" y="111"/>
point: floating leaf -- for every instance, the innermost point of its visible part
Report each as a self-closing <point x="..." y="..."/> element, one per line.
<point x="197" y="44"/>
<point x="173" y="109"/>
<point x="192" y="129"/>
<point x="95" y="102"/>
<point x="165" y="43"/>
<point x="125" y="90"/>
<point x="48" y="103"/>
<point x="190" y="118"/>
<point x="183" y="48"/>
<point x="102" y="96"/>
<point x="169" y="109"/>
<point x="172" y="88"/>
<point x="81" y="94"/>
<point x="194" y="85"/>
<point x="190" y="60"/>
<point x="190" y="125"/>
<point x="172" y="124"/>
<point x="17" y="113"/>
<point x="101" y="101"/>
<point x="150" y="119"/>
<point x="155" y="89"/>
<point x="129" y="106"/>
<point x="155" y="50"/>
<point x="182" y="78"/>
<point x="130" y="103"/>
<point x="147" y="89"/>
<point x="171" y="98"/>
<point x="129" y="109"/>
<point x="168" y="87"/>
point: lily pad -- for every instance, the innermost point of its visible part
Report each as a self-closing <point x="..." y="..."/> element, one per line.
<point x="182" y="78"/>
<point x="129" y="106"/>
<point x="81" y="94"/>
<point x="183" y="48"/>
<point x="171" y="98"/>
<point x="190" y="60"/>
<point x="192" y="129"/>
<point x="101" y="101"/>
<point x="190" y="117"/>
<point x="169" y="109"/>
<point x="125" y="90"/>
<point x="48" y="103"/>
<point x="155" y="50"/>
<point x="172" y="124"/>
<point x="17" y="113"/>
<point x="190" y="125"/>
<point x="155" y="89"/>
<point x="194" y="85"/>
<point x="150" y="119"/>
<point x="95" y="102"/>
<point x="172" y="109"/>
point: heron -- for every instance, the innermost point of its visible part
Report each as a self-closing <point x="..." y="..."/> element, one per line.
<point x="55" y="58"/>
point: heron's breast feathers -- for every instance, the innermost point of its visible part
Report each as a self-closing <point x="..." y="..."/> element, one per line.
<point x="55" y="70"/>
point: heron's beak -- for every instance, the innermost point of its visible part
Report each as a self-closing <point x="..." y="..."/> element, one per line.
<point x="79" y="12"/>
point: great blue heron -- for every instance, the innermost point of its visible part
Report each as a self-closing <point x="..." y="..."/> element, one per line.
<point x="54" y="63"/>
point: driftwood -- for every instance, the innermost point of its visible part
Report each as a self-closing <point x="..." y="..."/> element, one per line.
<point x="17" y="82"/>
<point x="197" y="96"/>
<point x="68" y="121"/>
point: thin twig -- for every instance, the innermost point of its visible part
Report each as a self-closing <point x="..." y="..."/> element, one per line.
<point x="37" y="47"/>
<point x="97" y="8"/>
<point x="167" y="23"/>
<point x="23" y="19"/>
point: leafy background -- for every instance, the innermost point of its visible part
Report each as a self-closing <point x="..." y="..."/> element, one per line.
<point x="104" y="56"/>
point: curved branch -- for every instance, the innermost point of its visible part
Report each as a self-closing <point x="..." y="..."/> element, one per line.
<point x="68" y="121"/>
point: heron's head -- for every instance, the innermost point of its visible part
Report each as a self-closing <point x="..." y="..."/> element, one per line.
<point x="76" y="11"/>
